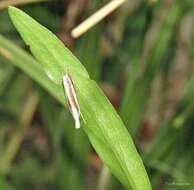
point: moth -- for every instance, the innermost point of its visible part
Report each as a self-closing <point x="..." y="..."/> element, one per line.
<point x="72" y="100"/>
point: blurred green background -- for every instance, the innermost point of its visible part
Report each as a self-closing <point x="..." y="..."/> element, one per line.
<point x="142" y="57"/>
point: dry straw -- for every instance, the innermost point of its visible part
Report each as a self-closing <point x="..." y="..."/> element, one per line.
<point x="96" y="17"/>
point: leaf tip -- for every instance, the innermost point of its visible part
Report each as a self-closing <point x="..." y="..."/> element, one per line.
<point x="11" y="11"/>
<point x="14" y="12"/>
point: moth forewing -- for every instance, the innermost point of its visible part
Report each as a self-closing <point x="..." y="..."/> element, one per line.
<point x="70" y="93"/>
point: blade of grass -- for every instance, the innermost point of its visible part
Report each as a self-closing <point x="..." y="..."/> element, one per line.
<point x="17" y="138"/>
<point x="22" y="60"/>
<point x="137" y="91"/>
<point x="102" y="124"/>
<point x="6" y="73"/>
<point x="174" y="128"/>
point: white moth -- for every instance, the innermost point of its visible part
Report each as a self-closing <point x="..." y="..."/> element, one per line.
<point x="72" y="99"/>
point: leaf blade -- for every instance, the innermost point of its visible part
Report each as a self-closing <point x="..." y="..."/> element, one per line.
<point x="103" y="126"/>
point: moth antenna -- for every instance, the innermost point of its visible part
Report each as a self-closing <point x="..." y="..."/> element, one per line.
<point x="82" y="117"/>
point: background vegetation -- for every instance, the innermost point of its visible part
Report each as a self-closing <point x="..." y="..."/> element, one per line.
<point x="141" y="56"/>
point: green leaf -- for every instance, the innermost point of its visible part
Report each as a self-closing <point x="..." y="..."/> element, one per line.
<point x="26" y="63"/>
<point x="103" y="126"/>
